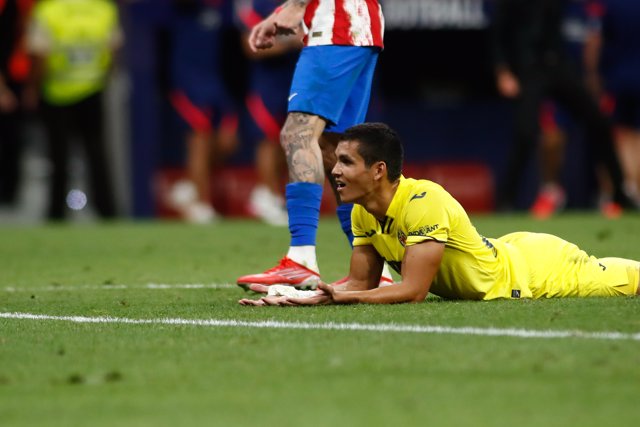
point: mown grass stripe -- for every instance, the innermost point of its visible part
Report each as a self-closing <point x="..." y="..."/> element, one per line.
<point x="373" y="327"/>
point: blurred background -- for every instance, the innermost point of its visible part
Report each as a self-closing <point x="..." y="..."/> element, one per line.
<point x="435" y="84"/>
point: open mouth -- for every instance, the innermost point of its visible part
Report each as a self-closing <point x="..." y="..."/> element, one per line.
<point x="340" y="185"/>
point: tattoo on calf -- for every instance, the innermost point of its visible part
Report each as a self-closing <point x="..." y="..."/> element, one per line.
<point x="303" y="153"/>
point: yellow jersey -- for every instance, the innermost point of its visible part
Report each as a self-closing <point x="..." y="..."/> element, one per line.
<point x="473" y="266"/>
<point x="518" y="265"/>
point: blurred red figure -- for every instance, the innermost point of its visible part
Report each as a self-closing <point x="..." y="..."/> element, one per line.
<point x="14" y="70"/>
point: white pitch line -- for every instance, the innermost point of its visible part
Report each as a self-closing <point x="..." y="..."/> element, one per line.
<point x="371" y="327"/>
<point x="52" y="288"/>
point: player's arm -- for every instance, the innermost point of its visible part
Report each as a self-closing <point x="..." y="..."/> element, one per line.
<point x="281" y="45"/>
<point x="364" y="271"/>
<point x="285" y="20"/>
<point x="419" y="267"/>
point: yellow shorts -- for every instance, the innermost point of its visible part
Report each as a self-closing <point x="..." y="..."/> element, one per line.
<point x="558" y="268"/>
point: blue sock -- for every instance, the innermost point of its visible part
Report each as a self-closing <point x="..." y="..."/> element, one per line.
<point x="344" y="215"/>
<point x="303" y="206"/>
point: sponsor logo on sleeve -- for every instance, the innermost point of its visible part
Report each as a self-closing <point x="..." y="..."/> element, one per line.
<point x="425" y="230"/>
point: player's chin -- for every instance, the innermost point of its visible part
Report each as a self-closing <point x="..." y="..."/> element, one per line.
<point x="344" y="196"/>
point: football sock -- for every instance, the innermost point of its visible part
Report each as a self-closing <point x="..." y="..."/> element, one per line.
<point x="303" y="206"/>
<point x="386" y="273"/>
<point x="305" y="255"/>
<point x="344" y="215"/>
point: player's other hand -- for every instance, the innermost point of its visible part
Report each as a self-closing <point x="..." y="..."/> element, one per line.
<point x="263" y="35"/>
<point x="289" y="19"/>
<point x="285" y="22"/>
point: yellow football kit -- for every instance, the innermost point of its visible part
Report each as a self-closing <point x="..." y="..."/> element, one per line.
<point x="518" y="265"/>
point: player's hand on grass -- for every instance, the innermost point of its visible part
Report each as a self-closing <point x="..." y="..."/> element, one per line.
<point x="324" y="295"/>
<point x="273" y="300"/>
<point x="282" y="295"/>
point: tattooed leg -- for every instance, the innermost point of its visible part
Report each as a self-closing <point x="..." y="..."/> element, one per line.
<point x="328" y="143"/>
<point x="300" y="138"/>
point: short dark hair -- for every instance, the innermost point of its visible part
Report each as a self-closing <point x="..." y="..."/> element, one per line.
<point x="378" y="142"/>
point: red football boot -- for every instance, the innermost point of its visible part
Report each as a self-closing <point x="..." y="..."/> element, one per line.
<point x="287" y="272"/>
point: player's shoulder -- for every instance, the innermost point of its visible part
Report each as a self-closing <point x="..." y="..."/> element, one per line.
<point x="412" y="190"/>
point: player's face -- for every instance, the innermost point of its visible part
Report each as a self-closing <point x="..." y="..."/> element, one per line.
<point x="353" y="178"/>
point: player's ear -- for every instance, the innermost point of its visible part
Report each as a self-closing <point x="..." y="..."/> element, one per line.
<point x="379" y="170"/>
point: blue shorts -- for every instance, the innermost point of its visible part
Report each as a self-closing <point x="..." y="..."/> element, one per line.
<point x="334" y="82"/>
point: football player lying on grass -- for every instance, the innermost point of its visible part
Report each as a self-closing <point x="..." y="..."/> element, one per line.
<point x="426" y="235"/>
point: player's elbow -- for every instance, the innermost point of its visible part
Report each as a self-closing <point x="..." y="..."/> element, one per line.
<point x="418" y="298"/>
<point x="416" y="295"/>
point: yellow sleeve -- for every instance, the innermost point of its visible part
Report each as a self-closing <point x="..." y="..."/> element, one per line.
<point x="360" y="227"/>
<point x="427" y="217"/>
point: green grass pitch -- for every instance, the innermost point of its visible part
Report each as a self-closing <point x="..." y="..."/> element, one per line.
<point x="62" y="373"/>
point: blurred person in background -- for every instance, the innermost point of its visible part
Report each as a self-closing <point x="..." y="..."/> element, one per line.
<point x="579" y="22"/>
<point x="200" y="98"/>
<point x="532" y="64"/>
<point x="551" y="196"/>
<point x="330" y="92"/>
<point x="14" y="70"/>
<point x="269" y="82"/>
<point x="72" y="43"/>
<point x="613" y="65"/>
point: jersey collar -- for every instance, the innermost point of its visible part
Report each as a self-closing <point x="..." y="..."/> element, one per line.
<point x="395" y="208"/>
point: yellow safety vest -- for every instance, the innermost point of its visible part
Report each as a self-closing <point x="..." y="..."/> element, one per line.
<point x="80" y="52"/>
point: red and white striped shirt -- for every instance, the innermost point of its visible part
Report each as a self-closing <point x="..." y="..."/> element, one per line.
<point x="344" y="22"/>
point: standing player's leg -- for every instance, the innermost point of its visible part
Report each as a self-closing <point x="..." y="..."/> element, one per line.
<point x="300" y="141"/>
<point x="324" y="83"/>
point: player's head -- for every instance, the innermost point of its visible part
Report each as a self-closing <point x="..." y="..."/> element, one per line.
<point x="377" y="142"/>
<point x="368" y="158"/>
